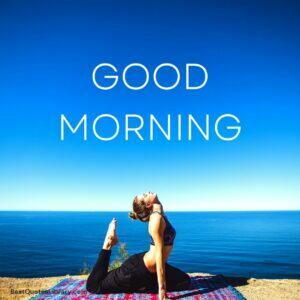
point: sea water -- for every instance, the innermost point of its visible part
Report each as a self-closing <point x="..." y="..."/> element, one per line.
<point x="249" y="244"/>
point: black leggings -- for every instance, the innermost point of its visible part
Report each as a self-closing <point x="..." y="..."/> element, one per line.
<point x="132" y="276"/>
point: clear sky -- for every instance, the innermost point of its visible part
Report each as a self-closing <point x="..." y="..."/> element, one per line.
<point x="48" y="52"/>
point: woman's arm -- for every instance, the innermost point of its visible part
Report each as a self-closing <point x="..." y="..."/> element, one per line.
<point x="157" y="230"/>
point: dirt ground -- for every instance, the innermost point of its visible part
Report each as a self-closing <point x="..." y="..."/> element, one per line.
<point x="251" y="289"/>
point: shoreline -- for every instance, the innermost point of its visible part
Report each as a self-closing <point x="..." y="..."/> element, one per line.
<point x="250" y="288"/>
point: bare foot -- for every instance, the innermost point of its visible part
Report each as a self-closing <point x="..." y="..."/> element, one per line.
<point x="111" y="236"/>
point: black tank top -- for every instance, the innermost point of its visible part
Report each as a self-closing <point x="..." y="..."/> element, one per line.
<point x="169" y="233"/>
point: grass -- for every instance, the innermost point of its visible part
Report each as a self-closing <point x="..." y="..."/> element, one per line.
<point x="116" y="263"/>
<point x="122" y="256"/>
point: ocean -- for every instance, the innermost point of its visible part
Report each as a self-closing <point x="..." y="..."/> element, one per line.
<point x="248" y="244"/>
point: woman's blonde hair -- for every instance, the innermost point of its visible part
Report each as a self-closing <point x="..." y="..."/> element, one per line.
<point x="139" y="210"/>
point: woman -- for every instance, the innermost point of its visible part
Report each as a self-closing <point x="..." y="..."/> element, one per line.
<point x="146" y="271"/>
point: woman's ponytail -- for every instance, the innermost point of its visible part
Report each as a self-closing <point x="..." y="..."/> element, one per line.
<point x="133" y="215"/>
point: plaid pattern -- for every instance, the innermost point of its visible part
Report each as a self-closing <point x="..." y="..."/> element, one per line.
<point x="202" y="288"/>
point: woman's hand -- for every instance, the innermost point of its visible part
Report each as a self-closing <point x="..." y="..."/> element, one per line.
<point x="162" y="294"/>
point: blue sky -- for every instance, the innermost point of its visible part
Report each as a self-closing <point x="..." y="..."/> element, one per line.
<point x="47" y="55"/>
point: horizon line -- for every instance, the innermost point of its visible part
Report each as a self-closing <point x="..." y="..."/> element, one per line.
<point x="188" y="211"/>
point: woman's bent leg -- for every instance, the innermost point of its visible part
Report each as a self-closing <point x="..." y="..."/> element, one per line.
<point x="176" y="280"/>
<point x="131" y="277"/>
<point x="99" y="272"/>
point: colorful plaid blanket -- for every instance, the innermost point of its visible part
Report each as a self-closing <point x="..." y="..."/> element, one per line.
<point x="202" y="288"/>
